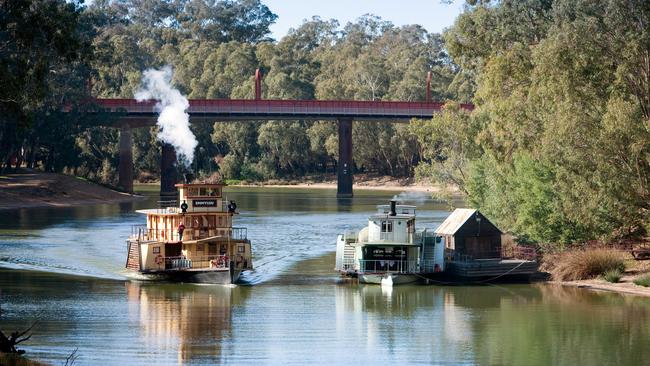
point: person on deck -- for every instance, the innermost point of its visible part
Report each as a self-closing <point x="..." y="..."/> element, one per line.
<point x="181" y="228"/>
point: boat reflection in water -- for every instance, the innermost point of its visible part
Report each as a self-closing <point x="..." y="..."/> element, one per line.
<point x="193" y="320"/>
<point x="514" y="324"/>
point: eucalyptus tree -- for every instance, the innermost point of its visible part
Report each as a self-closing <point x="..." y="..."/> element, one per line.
<point x="44" y="51"/>
<point x="561" y="116"/>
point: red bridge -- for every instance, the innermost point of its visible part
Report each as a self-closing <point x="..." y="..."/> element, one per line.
<point x="133" y="114"/>
<point x="143" y="113"/>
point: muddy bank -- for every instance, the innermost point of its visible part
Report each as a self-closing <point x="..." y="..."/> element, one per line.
<point x="37" y="189"/>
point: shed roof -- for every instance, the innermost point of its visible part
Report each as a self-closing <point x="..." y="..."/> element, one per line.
<point x="454" y="221"/>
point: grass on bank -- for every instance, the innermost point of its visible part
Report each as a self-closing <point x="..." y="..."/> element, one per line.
<point x="586" y="264"/>
<point x="613" y="276"/>
<point x="643" y="281"/>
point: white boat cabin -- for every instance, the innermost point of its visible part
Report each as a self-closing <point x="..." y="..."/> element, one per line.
<point x="390" y="244"/>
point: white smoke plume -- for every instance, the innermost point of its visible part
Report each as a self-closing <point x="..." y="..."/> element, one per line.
<point x="173" y="121"/>
<point x="412" y="197"/>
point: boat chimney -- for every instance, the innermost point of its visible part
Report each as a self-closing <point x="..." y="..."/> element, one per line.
<point x="392" y="208"/>
<point x="189" y="177"/>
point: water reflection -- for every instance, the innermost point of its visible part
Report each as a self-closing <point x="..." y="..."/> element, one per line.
<point x="117" y="323"/>
<point x="193" y="320"/>
<point x="521" y="325"/>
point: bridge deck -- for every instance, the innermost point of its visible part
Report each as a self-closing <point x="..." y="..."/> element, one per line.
<point x="248" y="109"/>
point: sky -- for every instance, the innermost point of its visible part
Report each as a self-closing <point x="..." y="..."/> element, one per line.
<point x="433" y="15"/>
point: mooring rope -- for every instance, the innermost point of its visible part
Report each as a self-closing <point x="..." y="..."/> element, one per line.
<point x="470" y="282"/>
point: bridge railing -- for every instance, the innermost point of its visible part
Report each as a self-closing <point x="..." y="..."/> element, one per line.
<point x="293" y="107"/>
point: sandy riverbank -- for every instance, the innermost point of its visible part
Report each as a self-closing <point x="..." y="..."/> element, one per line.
<point x="625" y="286"/>
<point x="361" y="182"/>
<point x="38" y="189"/>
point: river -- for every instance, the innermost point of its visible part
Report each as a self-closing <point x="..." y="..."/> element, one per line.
<point x="64" y="268"/>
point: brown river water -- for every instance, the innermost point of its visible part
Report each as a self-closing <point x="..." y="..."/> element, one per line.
<point x="64" y="268"/>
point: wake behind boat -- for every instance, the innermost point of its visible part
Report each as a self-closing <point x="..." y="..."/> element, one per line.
<point x="191" y="240"/>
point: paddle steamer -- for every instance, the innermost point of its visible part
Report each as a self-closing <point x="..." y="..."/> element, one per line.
<point x="390" y="250"/>
<point x="192" y="239"/>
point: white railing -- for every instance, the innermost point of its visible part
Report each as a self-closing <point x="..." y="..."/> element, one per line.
<point x="397" y="266"/>
<point x="388" y="266"/>
<point x="208" y="261"/>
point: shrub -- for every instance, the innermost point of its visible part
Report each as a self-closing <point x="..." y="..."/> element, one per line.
<point x="613" y="275"/>
<point x="584" y="264"/>
<point x="643" y="281"/>
<point x="232" y="182"/>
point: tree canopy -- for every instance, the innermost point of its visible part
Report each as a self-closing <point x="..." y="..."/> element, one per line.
<point x="561" y="95"/>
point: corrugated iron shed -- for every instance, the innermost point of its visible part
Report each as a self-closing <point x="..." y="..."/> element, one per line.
<point x="454" y="222"/>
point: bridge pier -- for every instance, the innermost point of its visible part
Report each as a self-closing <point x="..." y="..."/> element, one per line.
<point x="125" y="169"/>
<point x="344" y="184"/>
<point x="168" y="174"/>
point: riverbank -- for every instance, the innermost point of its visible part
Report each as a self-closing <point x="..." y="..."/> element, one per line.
<point x="32" y="189"/>
<point x="634" y="270"/>
<point x="361" y="182"/>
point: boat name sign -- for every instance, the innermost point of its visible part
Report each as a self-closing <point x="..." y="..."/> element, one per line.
<point x="204" y="203"/>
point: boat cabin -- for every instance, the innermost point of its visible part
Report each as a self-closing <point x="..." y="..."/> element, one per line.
<point x="468" y="234"/>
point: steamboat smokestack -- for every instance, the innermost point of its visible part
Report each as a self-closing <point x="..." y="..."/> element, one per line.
<point x="189" y="177"/>
<point x="392" y="208"/>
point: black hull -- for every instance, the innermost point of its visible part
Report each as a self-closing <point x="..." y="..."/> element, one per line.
<point x="222" y="277"/>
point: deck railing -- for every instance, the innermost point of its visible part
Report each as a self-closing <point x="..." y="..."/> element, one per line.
<point x="239" y="233"/>
<point x="517" y="252"/>
<point x="390" y="266"/>
<point x="348" y="264"/>
<point x="208" y="261"/>
<point x="142" y="233"/>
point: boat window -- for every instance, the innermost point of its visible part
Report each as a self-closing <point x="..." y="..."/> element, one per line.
<point x="241" y="249"/>
<point x="211" y="221"/>
<point x="386" y="227"/>
<point x="196" y="222"/>
<point x="192" y="192"/>
<point x="156" y="250"/>
<point x="212" y="249"/>
<point x="199" y="247"/>
<point x="220" y="221"/>
<point x="203" y="191"/>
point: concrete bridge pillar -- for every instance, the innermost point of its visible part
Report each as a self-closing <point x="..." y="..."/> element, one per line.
<point x="125" y="169"/>
<point x="344" y="186"/>
<point x="168" y="174"/>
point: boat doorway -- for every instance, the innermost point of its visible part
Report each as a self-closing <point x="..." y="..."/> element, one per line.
<point x="173" y="249"/>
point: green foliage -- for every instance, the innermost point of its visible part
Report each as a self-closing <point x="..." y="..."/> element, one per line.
<point x="613" y="276"/>
<point x="643" y="281"/>
<point x="562" y="118"/>
<point x="43" y="62"/>
<point x="448" y="143"/>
